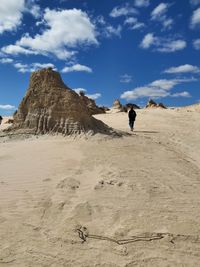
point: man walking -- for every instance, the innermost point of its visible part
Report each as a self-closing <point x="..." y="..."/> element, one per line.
<point x="1" y="119"/>
<point x="132" y="115"/>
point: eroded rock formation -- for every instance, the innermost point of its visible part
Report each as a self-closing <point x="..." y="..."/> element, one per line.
<point x="49" y="106"/>
<point x="117" y="105"/>
<point x="153" y="104"/>
<point x="91" y="105"/>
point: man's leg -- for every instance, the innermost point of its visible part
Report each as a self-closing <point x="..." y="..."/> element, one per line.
<point x="131" y="124"/>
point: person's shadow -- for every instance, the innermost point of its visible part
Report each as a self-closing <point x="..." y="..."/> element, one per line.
<point x="153" y="132"/>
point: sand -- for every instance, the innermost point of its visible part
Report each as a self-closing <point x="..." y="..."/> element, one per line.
<point x="130" y="201"/>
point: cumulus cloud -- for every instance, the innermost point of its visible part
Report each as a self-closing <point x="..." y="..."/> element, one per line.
<point x="109" y="31"/>
<point x="123" y="10"/>
<point x="187" y="68"/>
<point x="159" y="14"/>
<point x="76" y="68"/>
<point x="6" y="60"/>
<point x="172" y="46"/>
<point x="23" y="68"/>
<point x="33" y="8"/>
<point x="105" y="29"/>
<point x="148" y="41"/>
<point x="156" y="89"/>
<point x="133" y="23"/>
<point x="195" y="20"/>
<point x="196" y="44"/>
<point x="65" y="31"/>
<point x="142" y="3"/>
<point x="164" y="45"/>
<point x="94" y="96"/>
<point x="126" y="78"/>
<point x="182" y="94"/>
<point x="164" y="84"/>
<point x="159" y="11"/>
<point x="7" y="107"/>
<point x="145" y="91"/>
<point x="16" y="49"/>
<point x="10" y="14"/>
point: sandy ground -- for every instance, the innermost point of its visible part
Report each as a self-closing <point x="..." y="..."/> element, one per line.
<point x="130" y="201"/>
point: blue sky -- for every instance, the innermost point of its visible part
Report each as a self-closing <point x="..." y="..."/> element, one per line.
<point x="129" y="50"/>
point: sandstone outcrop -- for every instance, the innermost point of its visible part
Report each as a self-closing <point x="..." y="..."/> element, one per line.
<point x="91" y="105"/>
<point x="153" y="104"/>
<point x="49" y="106"/>
<point x="117" y="105"/>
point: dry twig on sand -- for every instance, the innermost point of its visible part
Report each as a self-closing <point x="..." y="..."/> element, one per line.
<point x="84" y="235"/>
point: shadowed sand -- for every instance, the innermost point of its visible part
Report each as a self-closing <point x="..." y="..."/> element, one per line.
<point x="130" y="201"/>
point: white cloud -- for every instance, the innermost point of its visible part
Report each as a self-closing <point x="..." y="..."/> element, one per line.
<point x="182" y="94"/>
<point x="23" y="68"/>
<point x="159" y="14"/>
<point x="159" y="11"/>
<point x="7" y="107"/>
<point x="109" y="31"/>
<point x="77" y="67"/>
<point x="33" y="8"/>
<point x="196" y="44"/>
<point x="142" y="3"/>
<point x="148" y="41"/>
<point x="16" y="49"/>
<point x="156" y="89"/>
<point x="164" y="84"/>
<point x="125" y="78"/>
<point x="105" y="29"/>
<point x="133" y="23"/>
<point x="6" y="60"/>
<point x="187" y="68"/>
<point x="137" y="26"/>
<point x="10" y="14"/>
<point x="91" y="96"/>
<point x="164" y="45"/>
<point x="172" y="46"/>
<point x="65" y="31"/>
<point x="123" y="10"/>
<point x="130" y="20"/>
<point x="195" y="20"/>
<point x="194" y="2"/>
<point x="140" y="92"/>
<point x="94" y="96"/>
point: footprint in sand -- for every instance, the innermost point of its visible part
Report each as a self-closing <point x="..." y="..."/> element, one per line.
<point x="68" y="183"/>
<point x="47" y="180"/>
<point x="102" y="184"/>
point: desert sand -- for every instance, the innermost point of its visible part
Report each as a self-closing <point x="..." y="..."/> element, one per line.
<point x="103" y="201"/>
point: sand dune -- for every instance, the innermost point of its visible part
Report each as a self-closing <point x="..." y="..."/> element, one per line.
<point x="129" y="201"/>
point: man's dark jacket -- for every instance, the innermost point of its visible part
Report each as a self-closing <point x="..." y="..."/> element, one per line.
<point x="132" y="115"/>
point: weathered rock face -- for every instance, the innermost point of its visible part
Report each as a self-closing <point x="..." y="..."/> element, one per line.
<point x="49" y="106"/>
<point x="117" y="105"/>
<point x="91" y="105"/>
<point x="153" y="104"/>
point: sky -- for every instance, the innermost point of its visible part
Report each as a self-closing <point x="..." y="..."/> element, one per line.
<point x="130" y="50"/>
